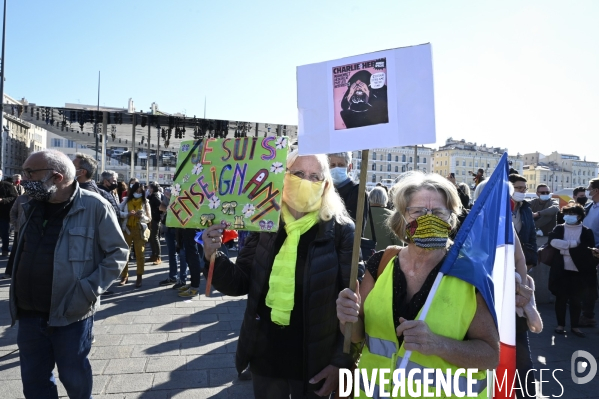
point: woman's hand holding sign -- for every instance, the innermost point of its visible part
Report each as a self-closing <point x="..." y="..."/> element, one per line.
<point x="213" y="239"/>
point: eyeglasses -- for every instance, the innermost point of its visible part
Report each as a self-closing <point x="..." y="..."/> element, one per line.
<point x="521" y="189"/>
<point x="544" y="192"/>
<point x="313" y="177"/>
<point x="417" y="211"/>
<point x="28" y="172"/>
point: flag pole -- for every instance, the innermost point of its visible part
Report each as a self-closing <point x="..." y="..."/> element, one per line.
<point x="353" y="276"/>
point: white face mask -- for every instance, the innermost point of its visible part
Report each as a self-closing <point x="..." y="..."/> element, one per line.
<point x="545" y="197"/>
<point x="588" y="193"/>
<point x="518" y="197"/>
<point x="137" y="195"/>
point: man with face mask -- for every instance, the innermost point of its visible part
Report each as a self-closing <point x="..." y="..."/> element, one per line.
<point x="8" y="194"/>
<point x="70" y="250"/>
<point x="591" y="220"/>
<point x="17" y="182"/>
<point x="109" y="184"/>
<point x="523" y="220"/>
<point x="85" y="169"/>
<point x="341" y="166"/>
<point x="544" y="210"/>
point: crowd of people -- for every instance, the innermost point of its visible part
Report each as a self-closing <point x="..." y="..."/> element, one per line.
<point x="74" y="237"/>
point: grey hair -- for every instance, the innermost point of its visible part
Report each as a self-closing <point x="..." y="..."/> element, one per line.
<point x="347" y="156"/>
<point x="16" y="176"/>
<point x="60" y="163"/>
<point x="378" y="196"/>
<point x="88" y="163"/>
<point x="465" y="188"/>
<point x="414" y="182"/>
<point x="332" y="205"/>
<point x="108" y="174"/>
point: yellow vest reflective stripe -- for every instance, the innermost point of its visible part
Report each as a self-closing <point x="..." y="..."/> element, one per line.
<point x="451" y="312"/>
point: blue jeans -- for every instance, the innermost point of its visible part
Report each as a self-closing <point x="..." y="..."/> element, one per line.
<point x="195" y="256"/>
<point x="173" y="256"/>
<point x="4" y="234"/>
<point x="41" y="347"/>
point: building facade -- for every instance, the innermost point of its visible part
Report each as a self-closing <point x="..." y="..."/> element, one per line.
<point x="558" y="171"/>
<point x="464" y="159"/>
<point x="385" y="165"/>
<point x="18" y="139"/>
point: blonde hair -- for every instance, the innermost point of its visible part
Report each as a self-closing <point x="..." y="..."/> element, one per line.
<point x="414" y="182"/>
<point x="332" y="205"/>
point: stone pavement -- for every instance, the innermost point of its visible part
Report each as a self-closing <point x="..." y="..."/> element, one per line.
<point x="151" y="344"/>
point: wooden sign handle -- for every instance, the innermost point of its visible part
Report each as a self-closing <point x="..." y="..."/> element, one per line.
<point x="210" y="271"/>
<point x="353" y="276"/>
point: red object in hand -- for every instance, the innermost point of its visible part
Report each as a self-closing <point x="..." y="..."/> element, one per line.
<point x="229" y="235"/>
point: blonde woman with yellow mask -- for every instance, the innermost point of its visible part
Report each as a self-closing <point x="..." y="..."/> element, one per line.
<point x="290" y="336"/>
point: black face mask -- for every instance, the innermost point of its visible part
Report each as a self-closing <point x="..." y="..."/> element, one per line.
<point x="582" y="200"/>
<point x="113" y="186"/>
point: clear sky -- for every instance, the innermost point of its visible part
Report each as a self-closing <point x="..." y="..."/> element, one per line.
<point x="517" y="74"/>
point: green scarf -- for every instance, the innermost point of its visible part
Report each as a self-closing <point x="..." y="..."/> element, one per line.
<point x="281" y="289"/>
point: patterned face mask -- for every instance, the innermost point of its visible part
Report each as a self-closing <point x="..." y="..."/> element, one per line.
<point x="38" y="190"/>
<point x="429" y="232"/>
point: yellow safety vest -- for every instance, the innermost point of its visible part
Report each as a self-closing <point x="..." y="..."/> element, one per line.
<point x="450" y="314"/>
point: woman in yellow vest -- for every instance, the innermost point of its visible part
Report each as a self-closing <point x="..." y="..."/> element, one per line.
<point x="458" y="331"/>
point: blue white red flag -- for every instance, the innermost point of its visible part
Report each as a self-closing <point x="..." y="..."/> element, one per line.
<point x="483" y="255"/>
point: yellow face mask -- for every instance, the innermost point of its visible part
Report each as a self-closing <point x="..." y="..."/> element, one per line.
<point x="302" y="195"/>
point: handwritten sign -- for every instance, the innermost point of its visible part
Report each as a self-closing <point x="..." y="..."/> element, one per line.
<point x="238" y="180"/>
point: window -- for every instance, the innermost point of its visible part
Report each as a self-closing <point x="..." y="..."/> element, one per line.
<point x="567" y="179"/>
<point x="359" y="154"/>
<point x="413" y="161"/>
<point x="463" y="172"/>
<point x="396" y="169"/>
<point x="373" y="166"/>
<point x="445" y="163"/>
<point x="71" y="144"/>
<point x="463" y="163"/>
<point x="396" y="158"/>
<point x="380" y="168"/>
<point x="403" y="168"/>
<point x="476" y="164"/>
<point x="374" y="178"/>
<point x="388" y="168"/>
<point x="374" y="156"/>
<point x="56" y="143"/>
<point x="423" y="160"/>
<point x="389" y="157"/>
<point x="381" y="157"/>
<point x="417" y="159"/>
<point x="403" y="158"/>
<point x="457" y="163"/>
<point x="359" y="165"/>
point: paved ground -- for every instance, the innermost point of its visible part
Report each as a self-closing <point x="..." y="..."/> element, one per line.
<point x="151" y="344"/>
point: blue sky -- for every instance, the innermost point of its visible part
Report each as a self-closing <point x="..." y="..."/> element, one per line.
<point x="521" y="75"/>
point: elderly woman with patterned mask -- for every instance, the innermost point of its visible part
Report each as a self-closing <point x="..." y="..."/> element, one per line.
<point x="458" y="330"/>
<point x="290" y="336"/>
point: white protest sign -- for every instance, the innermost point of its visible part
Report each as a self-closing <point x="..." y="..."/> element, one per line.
<point x="375" y="100"/>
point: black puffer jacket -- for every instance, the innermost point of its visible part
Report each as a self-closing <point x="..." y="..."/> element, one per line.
<point x="326" y="274"/>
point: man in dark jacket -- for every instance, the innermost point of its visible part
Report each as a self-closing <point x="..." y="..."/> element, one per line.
<point x="523" y="220"/>
<point x="85" y="169"/>
<point x="340" y="165"/>
<point x="8" y="194"/>
<point x="155" y="202"/>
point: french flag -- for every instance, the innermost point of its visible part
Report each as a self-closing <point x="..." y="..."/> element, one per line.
<point x="483" y="255"/>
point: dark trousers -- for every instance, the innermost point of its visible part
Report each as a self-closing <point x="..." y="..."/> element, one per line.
<point x="523" y="365"/>
<point x="41" y="347"/>
<point x="173" y="256"/>
<point x="11" y="258"/>
<point x="4" y="234"/>
<point x="589" y="295"/>
<point x="561" y="304"/>
<point x="155" y="238"/>
<point x="194" y="255"/>
<point x="279" y="388"/>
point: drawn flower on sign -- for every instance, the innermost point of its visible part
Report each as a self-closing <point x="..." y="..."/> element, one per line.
<point x="281" y="143"/>
<point x="248" y="210"/>
<point x="176" y="190"/>
<point x="276" y="168"/>
<point x="214" y="202"/>
<point x="197" y="169"/>
<point x="186" y="178"/>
